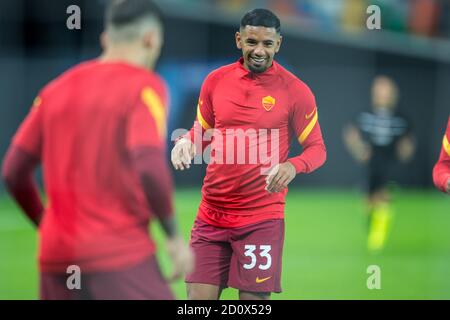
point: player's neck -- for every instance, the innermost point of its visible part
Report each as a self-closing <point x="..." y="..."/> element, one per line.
<point x="125" y="55"/>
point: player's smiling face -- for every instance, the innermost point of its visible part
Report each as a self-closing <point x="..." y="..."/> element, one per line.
<point x="259" y="45"/>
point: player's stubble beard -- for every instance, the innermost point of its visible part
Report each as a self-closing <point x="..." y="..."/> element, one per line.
<point x="258" y="67"/>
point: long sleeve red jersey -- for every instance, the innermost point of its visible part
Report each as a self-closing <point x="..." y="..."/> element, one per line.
<point x="441" y="172"/>
<point x="95" y="128"/>
<point x="254" y="118"/>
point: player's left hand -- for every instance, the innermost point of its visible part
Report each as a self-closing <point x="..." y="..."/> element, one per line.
<point x="448" y="186"/>
<point x="280" y="176"/>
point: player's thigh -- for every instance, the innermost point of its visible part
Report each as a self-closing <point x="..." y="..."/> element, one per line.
<point x="257" y="257"/>
<point x="203" y="291"/>
<point x="212" y="253"/>
<point x="144" y="281"/>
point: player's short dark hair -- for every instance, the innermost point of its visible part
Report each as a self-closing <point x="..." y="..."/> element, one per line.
<point x="261" y="18"/>
<point x="120" y="13"/>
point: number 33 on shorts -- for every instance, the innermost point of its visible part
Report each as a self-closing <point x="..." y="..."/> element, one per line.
<point x="264" y="252"/>
<point x="257" y="257"/>
<point x="259" y="268"/>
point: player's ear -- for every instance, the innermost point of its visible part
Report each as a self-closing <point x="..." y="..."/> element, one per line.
<point x="238" y="40"/>
<point x="152" y="39"/>
<point x="148" y="39"/>
<point x="104" y="40"/>
<point x="279" y="41"/>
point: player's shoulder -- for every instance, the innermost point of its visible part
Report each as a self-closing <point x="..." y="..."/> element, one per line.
<point x="293" y="82"/>
<point x="66" y="76"/>
<point x="89" y="71"/>
<point x="139" y="76"/>
<point x="219" y="73"/>
<point x="151" y="79"/>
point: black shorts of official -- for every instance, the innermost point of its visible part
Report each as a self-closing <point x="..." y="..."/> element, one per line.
<point x="379" y="173"/>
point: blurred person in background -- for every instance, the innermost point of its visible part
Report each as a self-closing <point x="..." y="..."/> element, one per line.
<point x="379" y="138"/>
<point x="99" y="130"/>
<point x="441" y="171"/>
<point x="238" y="234"/>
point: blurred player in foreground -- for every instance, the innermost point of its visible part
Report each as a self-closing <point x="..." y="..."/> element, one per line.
<point x="379" y="138"/>
<point x="441" y="171"/>
<point x="251" y="104"/>
<point x="99" y="130"/>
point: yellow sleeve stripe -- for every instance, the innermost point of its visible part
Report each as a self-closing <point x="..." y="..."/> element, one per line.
<point x="156" y="108"/>
<point x="446" y="145"/>
<point x="202" y="121"/>
<point x="37" y="102"/>
<point x="308" y="129"/>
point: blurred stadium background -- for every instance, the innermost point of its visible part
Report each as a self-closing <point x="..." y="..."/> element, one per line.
<point x="326" y="43"/>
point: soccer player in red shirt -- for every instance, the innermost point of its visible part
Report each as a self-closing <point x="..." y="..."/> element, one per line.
<point x="238" y="235"/>
<point x="441" y="171"/>
<point x="99" y="130"/>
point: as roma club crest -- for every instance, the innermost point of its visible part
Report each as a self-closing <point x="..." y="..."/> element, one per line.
<point x="268" y="103"/>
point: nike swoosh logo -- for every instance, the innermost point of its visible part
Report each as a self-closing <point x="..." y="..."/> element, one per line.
<point x="258" y="280"/>
<point x="310" y="115"/>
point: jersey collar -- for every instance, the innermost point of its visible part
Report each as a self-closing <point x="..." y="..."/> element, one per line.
<point x="269" y="73"/>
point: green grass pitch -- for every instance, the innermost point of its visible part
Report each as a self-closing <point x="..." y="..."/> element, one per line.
<point x="324" y="254"/>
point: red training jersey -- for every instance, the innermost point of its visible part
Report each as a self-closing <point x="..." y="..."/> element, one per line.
<point x="82" y="127"/>
<point x="441" y="172"/>
<point x="271" y="109"/>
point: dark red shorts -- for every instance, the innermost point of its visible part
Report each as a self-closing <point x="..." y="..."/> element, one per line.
<point x="246" y="258"/>
<point x="143" y="281"/>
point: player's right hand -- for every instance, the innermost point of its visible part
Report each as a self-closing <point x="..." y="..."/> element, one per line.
<point x="182" y="257"/>
<point x="182" y="154"/>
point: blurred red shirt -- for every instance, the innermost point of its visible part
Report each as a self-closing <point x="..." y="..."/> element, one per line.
<point x="82" y="127"/>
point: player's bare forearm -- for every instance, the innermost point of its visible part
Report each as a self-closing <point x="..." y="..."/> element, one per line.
<point x="17" y="172"/>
